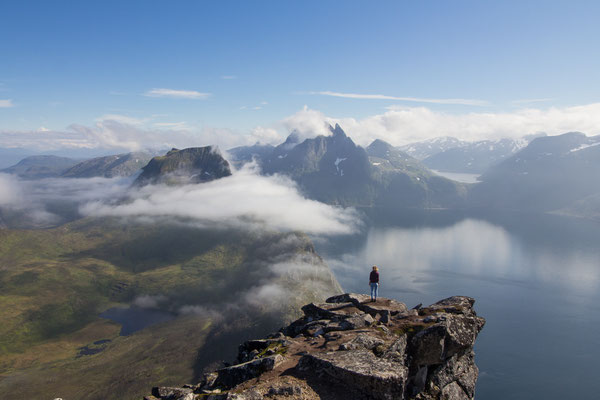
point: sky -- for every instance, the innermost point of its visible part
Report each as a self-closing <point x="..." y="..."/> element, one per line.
<point x="114" y="74"/>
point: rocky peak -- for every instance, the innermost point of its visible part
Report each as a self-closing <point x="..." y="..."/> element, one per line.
<point x="380" y="148"/>
<point x="192" y="165"/>
<point x="292" y="139"/>
<point x="350" y="347"/>
<point x="337" y="131"/>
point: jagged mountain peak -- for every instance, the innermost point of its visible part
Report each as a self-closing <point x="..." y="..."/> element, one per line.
<point x="337" y="131"/>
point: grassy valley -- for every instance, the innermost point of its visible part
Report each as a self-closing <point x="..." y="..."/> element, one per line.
<point x="56" y="282"/>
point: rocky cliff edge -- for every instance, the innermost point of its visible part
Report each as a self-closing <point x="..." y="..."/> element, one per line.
<point x="352" y="348"/>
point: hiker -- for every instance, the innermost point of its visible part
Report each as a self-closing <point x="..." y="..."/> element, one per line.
<point x="374" y="282"/>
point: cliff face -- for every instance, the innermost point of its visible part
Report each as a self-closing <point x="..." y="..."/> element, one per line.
<point x="351" y="348"/>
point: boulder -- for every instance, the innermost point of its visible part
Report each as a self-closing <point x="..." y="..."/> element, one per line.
<point x="460" y="369"/>
<point x="353" y="298"/>
<point x="172" y="393"/>
<point x="231" y="376"/>
<point x="362" y="341"/>
<point x="361" y="371"/>
<point x="332" y="311"/>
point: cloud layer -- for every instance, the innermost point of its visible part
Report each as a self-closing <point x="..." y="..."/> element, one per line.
<point x="244" y="199"/>
<point x="402" y="125"/>
<point x="398" y="125"/>
<point x="180" y="94"/>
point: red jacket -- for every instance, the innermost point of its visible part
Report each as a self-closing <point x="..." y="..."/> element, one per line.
<point x="374" y="277"/>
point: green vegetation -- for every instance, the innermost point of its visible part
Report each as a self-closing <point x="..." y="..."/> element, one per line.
<point x="56" y="282"/>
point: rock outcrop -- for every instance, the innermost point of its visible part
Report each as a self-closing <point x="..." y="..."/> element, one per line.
<point x="352" y="348"/>
<point x="192" y="165"/>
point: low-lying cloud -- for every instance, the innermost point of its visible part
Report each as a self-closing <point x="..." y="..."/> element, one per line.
<point x="243" y="199"/>
<point x="10" y="190"/>
<point x="53" y="201"/>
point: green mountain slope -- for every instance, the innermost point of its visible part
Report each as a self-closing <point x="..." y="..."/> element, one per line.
<point x="219" y="285"/>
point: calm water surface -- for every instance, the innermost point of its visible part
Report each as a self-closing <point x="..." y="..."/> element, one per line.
<point x="133" y="319"/>
<point x="535" y="280"/>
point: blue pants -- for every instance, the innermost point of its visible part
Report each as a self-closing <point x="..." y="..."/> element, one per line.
<point x="374" y="287"/>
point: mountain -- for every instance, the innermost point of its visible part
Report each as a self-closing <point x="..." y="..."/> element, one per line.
<point x="474" y="157"/>
<point x="427" y="148"/>
<point x="587" y="207"/>
<point x="385" y="156"/>
<point x="37" y="167"/>
<point x="191" y="165"/>
<point x="11" y="156"/>
<point x="331" y="169"/>
<point x="109" y="166"/>
<point x="402" y="181"/>
<point x="551" y="173"/>
<point x="243" y="154"/>
<point x="351" y="348"/>
<point x="123" y="305"/>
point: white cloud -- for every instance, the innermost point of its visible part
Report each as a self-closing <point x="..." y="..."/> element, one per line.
<point x="530" y="101"/>
<point x="467" y="102"/>
<point x="228" y="77"/>
<point x="149" y="301"/>
<point x="398" y="125"/>
<point x="244" y="199"/>
<point x="123" y="119"/>
<point x="308" y="123"/>
<point x="31" y="197"/>
<point x="182" y="125"/>
<point x="182" y="94"/>
<point x="10" y="190"/>
<point x="6" y="103"/>
<point x="402" y="125"/>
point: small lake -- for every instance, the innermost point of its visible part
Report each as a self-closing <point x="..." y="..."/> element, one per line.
<point x="133" y="319"/>
<point x="535" y="279"/>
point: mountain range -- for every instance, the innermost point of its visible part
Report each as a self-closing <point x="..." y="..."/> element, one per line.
<point x="333" y="169"/>
<point x="109" y="166"/>
<point x="449" y="154"/>
<point x="50" y="166"/>
<point x="551" y="173"/>
<point x="38" y="167"/>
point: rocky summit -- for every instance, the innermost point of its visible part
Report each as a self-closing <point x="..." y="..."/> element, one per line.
<point x="352" y="348"/>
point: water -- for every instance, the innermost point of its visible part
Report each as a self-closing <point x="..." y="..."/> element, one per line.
<point x="535" y="280"/>
<point x="459" y="176"/>
<point x="133" y="319"/>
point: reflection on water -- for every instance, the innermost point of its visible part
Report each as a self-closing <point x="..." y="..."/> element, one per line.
<point x="458" y="176"/>
<point x="535" y="279"/>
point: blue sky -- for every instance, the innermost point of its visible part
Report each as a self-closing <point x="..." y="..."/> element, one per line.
<point x="239" y="65"/>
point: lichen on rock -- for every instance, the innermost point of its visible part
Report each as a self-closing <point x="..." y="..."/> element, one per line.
<point x="350" y="347"/>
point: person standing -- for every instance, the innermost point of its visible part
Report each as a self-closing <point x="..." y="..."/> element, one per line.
<point x="374" y="282"/>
